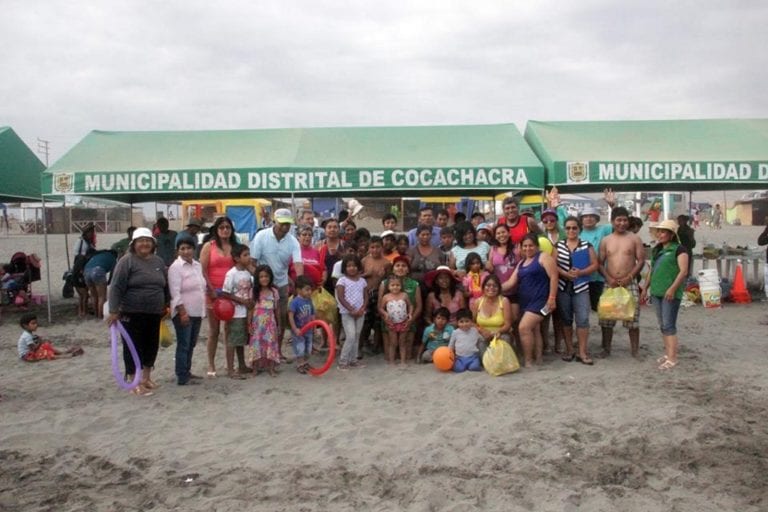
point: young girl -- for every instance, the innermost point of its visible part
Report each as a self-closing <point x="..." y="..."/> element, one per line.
<point x="352" y="296"/>
<point x="263" y="322"/>
<point x="473" y="280"/>
<point x="396" y="310"/>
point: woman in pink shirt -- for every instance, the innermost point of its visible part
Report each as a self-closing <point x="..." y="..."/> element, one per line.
<point x="187" y="287"/>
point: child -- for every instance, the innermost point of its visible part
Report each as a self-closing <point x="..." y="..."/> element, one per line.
<point x="375" y="267"/>
<point x="464" y="343"/>
<point x="32" y="348"/>
<point x="436" y="335"/>
<point x="396" y="310"/>
<point x="389" y="222"/>
<point x="300" y="313"/>
<point x="263" y="321"/>
<point x="472" y="281"/>
<point x="352" y="297"/>
<point x="446" y="240"/>
<point x="401" y="245"/>
<point x="238" y="287"/>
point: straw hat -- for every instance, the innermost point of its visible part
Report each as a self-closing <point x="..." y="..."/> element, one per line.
<point x="668" y="225"/>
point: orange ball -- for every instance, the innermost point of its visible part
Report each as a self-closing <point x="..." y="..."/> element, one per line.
<point x="443" y="359"/>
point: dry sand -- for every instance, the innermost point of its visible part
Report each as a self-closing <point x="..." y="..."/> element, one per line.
<point x="617" y="436"/>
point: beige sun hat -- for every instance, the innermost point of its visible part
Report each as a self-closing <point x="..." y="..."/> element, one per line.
<point x="668" y="225"/>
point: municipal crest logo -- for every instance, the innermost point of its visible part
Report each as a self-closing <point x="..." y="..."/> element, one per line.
<point x="578" y="172"/>
<point x="64" y="182"/>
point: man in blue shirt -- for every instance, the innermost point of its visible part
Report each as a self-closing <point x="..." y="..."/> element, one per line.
<point x="277" y="248"/>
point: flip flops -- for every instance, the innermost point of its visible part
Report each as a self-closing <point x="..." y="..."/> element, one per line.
<point x="667" y="365"/>
<point x="587" y="360"/>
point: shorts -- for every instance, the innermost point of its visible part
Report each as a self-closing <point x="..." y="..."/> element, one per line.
<point x="237" y="335"/>
<point x="95" y="276"/>
<point x="400" y="327"/>
<point x="44" y="352"/>
<point x="629" y="324"/>
<point x="282" y="311"/>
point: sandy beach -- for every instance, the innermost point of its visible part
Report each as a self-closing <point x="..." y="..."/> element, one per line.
<point x="619" y="435"/>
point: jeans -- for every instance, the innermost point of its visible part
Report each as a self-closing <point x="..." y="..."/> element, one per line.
<point x="353" y="326"/>
<point x="464" y="363"/>
<point x="186" y="339"/>
<point x="666" y="314"/>
<point x="302" y="345"/>
<point x="571" y="304"/>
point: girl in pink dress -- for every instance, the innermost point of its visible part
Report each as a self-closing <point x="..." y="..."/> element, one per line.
<point x="266" y="353"/>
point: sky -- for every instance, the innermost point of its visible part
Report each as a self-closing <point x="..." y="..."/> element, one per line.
<point x="71" y="67"/>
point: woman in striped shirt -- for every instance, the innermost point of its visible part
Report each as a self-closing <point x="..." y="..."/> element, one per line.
<point x="576" y="260"/>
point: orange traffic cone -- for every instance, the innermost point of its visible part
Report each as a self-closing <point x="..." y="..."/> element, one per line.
<point x="739" y="293"/>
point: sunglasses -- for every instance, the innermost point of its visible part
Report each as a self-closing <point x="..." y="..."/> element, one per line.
<point x="571" y="228"/>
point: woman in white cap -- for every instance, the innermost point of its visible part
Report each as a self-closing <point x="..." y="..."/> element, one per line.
<point x="669" y="268"/>
<point x="139" y="297"/>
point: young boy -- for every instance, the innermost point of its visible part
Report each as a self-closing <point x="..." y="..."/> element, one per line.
<point x="300" y="313"/>
<point x="32" y="348"/>
<point x="464" y="343"/>
<point x="375" y="267"/>
<point x="438" y="334"/>
<point x="388" y="245"/>
<point x="389" y="221"/>
<point x="238" y="287"/>
<point x="446" y="240"/>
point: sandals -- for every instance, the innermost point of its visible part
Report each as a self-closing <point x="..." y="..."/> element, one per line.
<point x="568" y="358"/>
<point x="661" y="359"/>
<point x="234" y="375"/>
<point x="140" y="390"/>
<point x="586" y="360"/>
<point x="302" y="368"/>
<point x="150" y="384"/>
<point x="667" y="365"/>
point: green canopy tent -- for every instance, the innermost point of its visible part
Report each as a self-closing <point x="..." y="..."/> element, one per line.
<point x="156" y="166"/>
<point x="20" y="169"/>
<point x="681" y="155"/>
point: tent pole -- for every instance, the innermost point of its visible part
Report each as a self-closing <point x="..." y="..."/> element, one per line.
<point x="68" y="222"/>
<point x="48" y="262"/>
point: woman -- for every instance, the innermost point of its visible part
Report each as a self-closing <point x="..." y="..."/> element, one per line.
<point x="466" y="242"/>
<point x="84" y="249"/>
<point x="502" y="260"/>
<point x="216" y="260"/>
<point x="444" y="293"/>
<point x="669" y="267"/>
<point x="576" y="260"/>
<point x="401" y="267"/>
<point x="350" y="228"/>
<point x="187" y="287"/>
<point x="331" y="250"/>
<point x="536" y="280"/>
<point x="138" y="297"/>
<point x="492" y="311"/>
<point x="314" y="267"/>
<point x="424" y="256"/>
<point x="95" y="272"/>
<point x="553" y="234"/>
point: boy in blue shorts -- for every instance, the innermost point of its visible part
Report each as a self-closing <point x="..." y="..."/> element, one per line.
<point x="300" y="313"/>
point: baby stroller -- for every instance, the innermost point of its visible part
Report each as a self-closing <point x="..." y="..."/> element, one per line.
<point x="18" y="277"/>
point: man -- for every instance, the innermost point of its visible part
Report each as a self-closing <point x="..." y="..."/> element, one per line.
<point x="593" y="233"/>
<point x="277" y="248"/>
<point x="121" y="246"/>
<point x="166" y="241"/>
<point x="441" y="219"/>
<point x="477" y="219"/>
<point x="621" y="258"/>
<point x="427" y="217"/>
<point x="687" y="239"/>
<point x="518" y="225"/>
<point x="307" y="218"/>
<point x="193" y="228"/>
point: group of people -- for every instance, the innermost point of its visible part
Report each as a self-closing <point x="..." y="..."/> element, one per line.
<point x="403" y="295"/>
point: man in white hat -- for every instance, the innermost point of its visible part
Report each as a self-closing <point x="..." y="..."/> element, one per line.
<point x="277" y="248"/>
<point x="621" y="258"/>
<point x="593" y="233"/>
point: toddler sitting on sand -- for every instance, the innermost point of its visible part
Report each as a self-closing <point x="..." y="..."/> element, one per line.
<point x="32" y="348"/>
